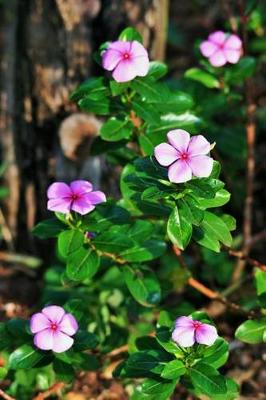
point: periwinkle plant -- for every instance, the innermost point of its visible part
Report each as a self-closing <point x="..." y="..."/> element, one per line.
<point x="111" y="252"/>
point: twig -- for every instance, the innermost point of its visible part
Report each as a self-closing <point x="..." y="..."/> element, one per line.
<point x="257" y="237"/>
<point x="241" y="256"/>
<point x="56" y="388"/>
<point x="207" y="292"/>
<point x="5" y="396"/>
<point x="250" y="166"/>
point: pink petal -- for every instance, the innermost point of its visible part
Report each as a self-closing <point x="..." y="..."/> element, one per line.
<point x="198" y="145"/>
<point x="68" y="325"/>
<point x="165" y="154"/>
<point x="96" y="197"/>
<point x="80" y="187"/>
<point x="184" y="322"/>
<point x="232" y="56"/>
<point x="179" y="139"/>
<point x="111" y="58"/>
<point x="218" y="59"/>
<point x="38" y="322"/>
<point x="179" y="172"/>
<point x="61" y="342"/>
<point x="122" y="46"/>
<point x="82" y="206"/>
<point x="137" y="50"/>
<point x="185" y="337"/>
<point x="217" y="37"/>
<point x="233" y="42"/>
<point x="61" y="205"/>
<point x="125" y="71"/>
<point x="207" y="48"/>
<point x="58" y="190"/>
<point x="141" y="65"/>
<point x="206" y="334"/>
<point x="201" y="166"/>
<point x="54" y="313"/>
<point x="44" y="340"/>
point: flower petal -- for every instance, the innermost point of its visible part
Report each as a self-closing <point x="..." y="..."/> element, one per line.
<point x="82" y="206"/>
<point x="111" y="58"/>
<point x="96" y="197"/>
<point x="54" y="313"/>
<point x="141" y="65"/>
<point x="58" y="190"/>
<point x="185" y="322"/>
<point x="218" y="59"/>
<point x="44" y="340"/>
<point x="179" y="172"/>
<point x="198" y="145"/>
<point x="123" y="46"/>
<point x="233" y="42"/>
<point x="39" y="322"/>
<point x="125" y="71"/>
<point x="61" y="205"/>
<point x="68" y="325"/>
<point x="185" y="337"/>
<point x="179" y="139"/>
<point x="206" y="334"/>
<point x="201" y="166"/>
<point x="207" y="48"/>
<point x="217" y="37"/>
<point x="232" y="55"/>
<point x="165" y="154"/>
<point x="79" y="187"/>
<point x="61" y="342"/>
<point x="138" y="50"/>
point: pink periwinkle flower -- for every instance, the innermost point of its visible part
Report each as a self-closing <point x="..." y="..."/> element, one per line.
<point x="184" y="156"/>
<point x="187" y="332"/>
<point x="222" y="48"/>
<point x="78" y="196"/>
<point x="126" y="59"/>
<point x="53" y="328"/>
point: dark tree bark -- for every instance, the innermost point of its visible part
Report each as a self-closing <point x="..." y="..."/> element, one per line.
<point x="47" y="48"/>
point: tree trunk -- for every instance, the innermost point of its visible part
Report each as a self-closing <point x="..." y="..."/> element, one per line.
<point x="47" y="47"/>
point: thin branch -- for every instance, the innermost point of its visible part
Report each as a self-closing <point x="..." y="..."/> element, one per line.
<point x="55" y="389"/>
<point x="5" y="396"/>
<point x="207" y="292"/>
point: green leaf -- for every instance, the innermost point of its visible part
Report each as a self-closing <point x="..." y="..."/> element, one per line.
<point x="260" y="280"/>
<point x="161" y="388"/>
<point x="148" y="250"/>
<point x="207" y="380"/>
<point x="113" y="242"/>
<point x="114" y="130"/>
<point x="82" y="264"/>
<point x="157" y="69"/>
<point x="217" y="354"/>
<point x="118" y="88"/>
<point x="173" y="370"/>
<point x="208" y="80"/>
<point x="222" y="197"/>
<point x="48" y="228"/>
<point x="69" y="241"/>
<point x="91" y="86"/>
<point x="150" y="90"/>
<point x="212" y="231"/>
<point x="95" y="104"/>
<point x="85" y="340"/>
<point x="143" y="285"/>
<point x="147" y="112"/>
<point x="179" y="228"/>
<point x="251" y="331"/>
<point x="138" y="364"/>
<point x="64" y="372"/>
<point x="25" y="357"/>
<point x="129" y="34"/>
<point x="239" y="72"/>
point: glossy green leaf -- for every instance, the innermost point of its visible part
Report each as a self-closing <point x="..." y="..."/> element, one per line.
<point x="207" y="380"/>
<point x="179" y="228"/>
<point x="208" y="80"/>
<point x="148" y="250"/>
<point x="114" y="129"/>
<point x="130" y="34"/>
<point x="69" y="241"/>
<point x="25" y="357"/>
<point x="48" y="228"/>
<point x="143" y="285"/>
<point x="64" y="372"/>
<point x="252" y="331"/>
<point x="157" y="69"/>
<point x="82" y="264"/>
<point x="173" y="370"/>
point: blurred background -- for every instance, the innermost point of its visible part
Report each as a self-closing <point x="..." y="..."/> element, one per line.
<point x="46" y="49"/>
